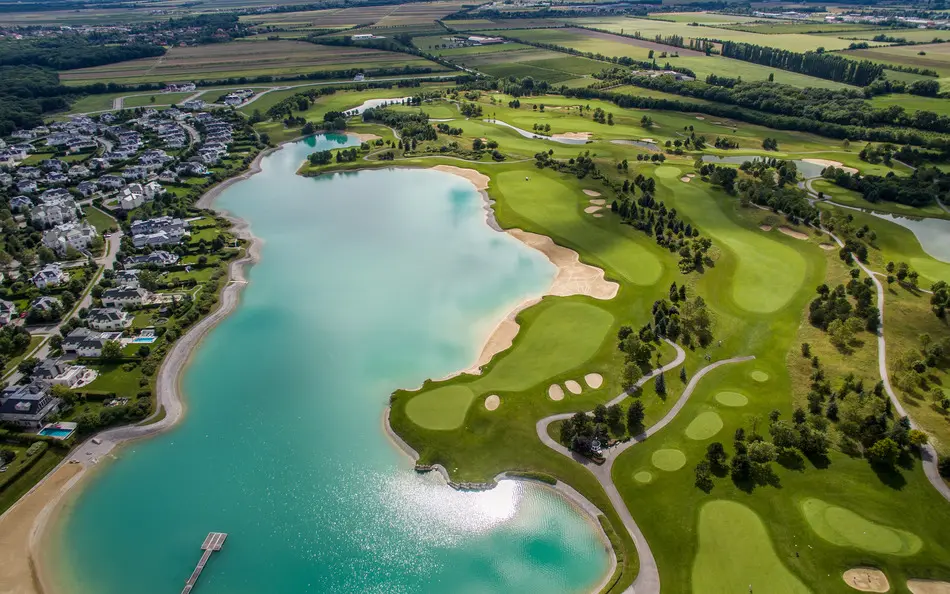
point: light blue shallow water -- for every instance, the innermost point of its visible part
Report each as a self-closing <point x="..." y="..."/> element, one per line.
<point x="368" y="282"/>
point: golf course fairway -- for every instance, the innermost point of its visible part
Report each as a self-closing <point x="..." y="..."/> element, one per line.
<point x="736" y="554"/>
<point x="845" y="528"/>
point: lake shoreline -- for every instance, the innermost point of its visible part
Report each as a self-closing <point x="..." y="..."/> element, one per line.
<point x="168" y="389"/>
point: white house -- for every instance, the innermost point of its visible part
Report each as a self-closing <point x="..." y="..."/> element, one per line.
<point x="54" y="213"/>
<point x="78" y="235"/>
<point x="124" y="296"/>
<point x="7" y="312"/>
<point x="84" y="342"/>
<point x="108" y="319"/>
<point x="50" y="276"/>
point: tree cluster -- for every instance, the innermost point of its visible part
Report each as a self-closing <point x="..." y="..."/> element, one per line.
<point x="921" y="188"/>
<point x="833" y="311"/>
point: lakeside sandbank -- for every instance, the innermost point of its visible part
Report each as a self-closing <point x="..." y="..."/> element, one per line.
<point x="572" y="278"/>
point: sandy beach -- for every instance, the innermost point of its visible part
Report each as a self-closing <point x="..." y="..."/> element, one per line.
<point x="573" y="277"/>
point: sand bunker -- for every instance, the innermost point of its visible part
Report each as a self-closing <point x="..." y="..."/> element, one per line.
<point x="690" y="175"/>
<point x="598" y="201"/>
<point x="700" y="118"/>
<point x="479" y="179"/>
<point x="643" y="477"/>
<point x="573" y="387"/>
<point x="928" y="587"/>
<point x="492" y="402"/>
<point x="555" y="392"/>
<point x="597" y="215"/>
<point x="573" y="277"/>
<point x="866" y="579"/>
<point x="685" y="179"/>
<point x="647" y="140"/>
<point x="793" y="233"/>
<point x="366" y="137"/>
<point x="594" y="380"/>
<point x="765" y="227"/>
<point x="594" y="193"/>
<point x="592" y="209"/>
<point x="826" y="246"/>
<point x="829" y="163"/>
<point x="572" y="136"/>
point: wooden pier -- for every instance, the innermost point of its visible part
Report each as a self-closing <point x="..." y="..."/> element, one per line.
<point x="213" y="542"/>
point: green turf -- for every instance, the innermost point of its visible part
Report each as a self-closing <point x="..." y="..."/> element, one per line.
<point x="669" y="459"/>
<point x="442" y="408"/>
<point x="733" y="399"/>
<point x="644" y="477"/>
<point x="568" y="334"/>
<point x="759" y="376"/>
<point x="846" y="528"/>
<point x="736" y="554"/>
<point x="704" y="426"/>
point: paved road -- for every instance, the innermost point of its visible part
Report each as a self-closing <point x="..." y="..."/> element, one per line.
<point x="107" y="260"/>
<point x="119" y="102"/>
<point x="928" y="454"/>
<point x="648" y="579"/>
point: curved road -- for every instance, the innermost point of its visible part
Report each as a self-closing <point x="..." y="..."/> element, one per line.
<point x="648" y="579"/>
<point x="928" y="455"/>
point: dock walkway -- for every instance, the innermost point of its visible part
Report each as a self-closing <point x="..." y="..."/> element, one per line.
<point x="213" y="542"/>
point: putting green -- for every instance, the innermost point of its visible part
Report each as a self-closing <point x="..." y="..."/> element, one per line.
<point x="731" y="399"/>
<point x="669" y="459"/>
<point x="704" y="426"/>
<point x="759" y="376"/>
<point x="441" y="408"/>
<point x="667" y="172"/>
<point x="643" y="477"/>
<point x="845" y="528"/>
<point x="735" y="552"/>
<point x="564" y="336"/>
<point x="550" y="200"/>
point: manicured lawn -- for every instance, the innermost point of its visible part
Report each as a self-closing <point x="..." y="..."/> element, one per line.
<point x="13" y="491"/>
<point x="846" y="528"/>
<point x="852" y="198"/>
<point x="113" y="378"/>
<point x="735" y="552"/>
<point x="14" y="361"/>
<point x="98" y="219"/>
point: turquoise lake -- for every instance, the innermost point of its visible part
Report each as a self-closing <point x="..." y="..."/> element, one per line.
<point x="368" y="282"/>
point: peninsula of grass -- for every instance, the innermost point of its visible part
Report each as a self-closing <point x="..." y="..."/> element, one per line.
<point x="758" y="288"/>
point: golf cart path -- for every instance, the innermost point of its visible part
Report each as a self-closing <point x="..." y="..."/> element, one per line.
<point x="928" y="455"/>
<point x="648" y="579"/>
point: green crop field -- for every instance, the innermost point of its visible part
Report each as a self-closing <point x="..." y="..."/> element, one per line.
<point x="915" y="35"/>
<point x="615" y="45"/>
<point x="770" y="27"/>
<point x="649" y="28"/>
<point x="512" y="59"/>
<point x="935" y="57"/>
<point x="701" y="17"/>
<point x="237" y="59"/>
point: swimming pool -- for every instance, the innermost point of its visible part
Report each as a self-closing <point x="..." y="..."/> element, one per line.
<point x="59" y="430"/>
<point x="143" y="340"/>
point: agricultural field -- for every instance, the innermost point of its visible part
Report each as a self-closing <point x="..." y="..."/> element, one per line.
<point x="615" y="45"/>
<point x="915" y="35"/>
<point x="647" y="28"/>
<point x="514" y="59"/>
<point x="488" y="24"/>
<point x="770" y="27"/>
<point x="237" y="59"/>
<point x="912" y="103"/>
<point x="934" y="56"/>
<point x="334" y="17"/>
<point x="703" y="18"/>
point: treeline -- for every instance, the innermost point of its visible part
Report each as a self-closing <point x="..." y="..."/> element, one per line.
<point x="71" y="52"/>
<point x="621" y="60"/>
<point x="921" y="188"/>
<point x="411" y="126"/>
<point x="820" y="65"/>
<point x="833" y="113"/>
